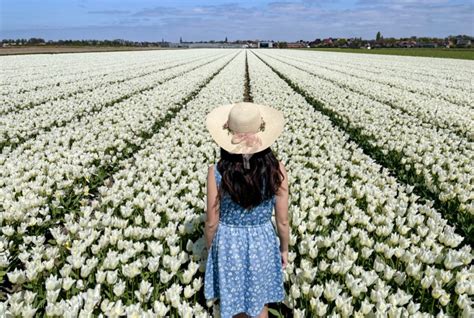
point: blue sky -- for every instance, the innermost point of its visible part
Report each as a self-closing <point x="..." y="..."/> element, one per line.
<point x="146" y="20"/>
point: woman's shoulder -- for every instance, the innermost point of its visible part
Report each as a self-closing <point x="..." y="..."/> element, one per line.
<point x="212" y="169"/>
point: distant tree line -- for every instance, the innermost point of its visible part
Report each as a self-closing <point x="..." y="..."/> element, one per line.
<point x="460" y="41"/>
<point x="455" y="41"/>
<point x="116" y="42"/>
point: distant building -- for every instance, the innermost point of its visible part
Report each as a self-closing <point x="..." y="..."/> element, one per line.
<point x="329" y="41"/>
<point x="406" y="44"/>
<point x="208" y="45"/>
<point x="265" y="44"/>
<point x="463" y="42"/>
<point x="296" y="45"/>
<point x="177" y="45"/>
<point x="427" y="45"/>
<point x="215" y="45"/>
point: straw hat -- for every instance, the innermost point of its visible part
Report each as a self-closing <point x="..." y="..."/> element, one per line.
<point x="245" y="128"/>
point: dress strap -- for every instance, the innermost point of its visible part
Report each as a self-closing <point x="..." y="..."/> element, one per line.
<point x="217" y="174"/>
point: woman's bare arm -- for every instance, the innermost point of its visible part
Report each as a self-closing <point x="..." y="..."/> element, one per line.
<point x="212" y="212"/>
<point x="281" y="211"/>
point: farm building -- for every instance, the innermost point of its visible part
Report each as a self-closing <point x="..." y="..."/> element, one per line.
<point x="265" y="44"/>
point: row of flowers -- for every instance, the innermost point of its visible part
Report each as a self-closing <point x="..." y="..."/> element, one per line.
<point x="361" y="242"/>
<point x="424" y="76"/>
<point x="437" y="157"/>
<point x="19" y="75"/>
<point x="432" y="110"/>
<point x="40" y="178"/>
<point x="19" y="126"/>
<point x="137" y="249"/>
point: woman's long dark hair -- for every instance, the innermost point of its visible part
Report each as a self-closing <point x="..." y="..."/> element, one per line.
<point x="249" y="187"/>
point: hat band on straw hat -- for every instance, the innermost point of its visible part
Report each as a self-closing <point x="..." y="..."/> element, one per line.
<point x="249" y="140"/>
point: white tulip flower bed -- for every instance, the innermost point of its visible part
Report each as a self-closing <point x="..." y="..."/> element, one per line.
<point x="57" y="73"/>
<point x="403" y="96"/>
<point x="424" y="76"/>
<point x="377" y="247"/>
<point x="434" y="158"/>
<point x="103" y="182"/>
<point x="22" y="125"/>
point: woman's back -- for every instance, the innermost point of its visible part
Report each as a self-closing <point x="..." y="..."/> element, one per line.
<point x="232" y="213"/>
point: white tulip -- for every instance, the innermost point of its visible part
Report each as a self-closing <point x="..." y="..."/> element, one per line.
<point x="331" y="290"/>
<point x="68" y="282"/>
<point x="119" y="288"/>
<point x="160" y="309"/>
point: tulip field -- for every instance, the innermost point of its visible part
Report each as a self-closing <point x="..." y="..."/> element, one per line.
<point x="104" y="161"/>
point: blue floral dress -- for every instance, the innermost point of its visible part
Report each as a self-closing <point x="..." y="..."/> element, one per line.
<point x="243" y="267"/>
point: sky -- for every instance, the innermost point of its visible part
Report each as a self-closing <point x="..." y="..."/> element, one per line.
<point x="146" y="20"/>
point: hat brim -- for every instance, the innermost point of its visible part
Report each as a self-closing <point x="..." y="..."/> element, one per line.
<point x="274" y="124"/>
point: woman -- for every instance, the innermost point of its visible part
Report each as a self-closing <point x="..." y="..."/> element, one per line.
<point x="245" y="263"/>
